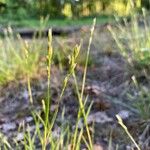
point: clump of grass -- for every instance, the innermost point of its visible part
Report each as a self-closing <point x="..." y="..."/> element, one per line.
<point x="134" y="41"/>
<point x="141" y="101"/>
<point x="17" y="58"/>
<point x="67" y="139"/>
<point x="73" y="140"/>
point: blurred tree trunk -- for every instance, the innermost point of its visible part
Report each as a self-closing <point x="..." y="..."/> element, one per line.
<point x="104" y="6"/>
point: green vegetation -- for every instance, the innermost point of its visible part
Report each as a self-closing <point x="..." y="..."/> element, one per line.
<point x="13" y="59"/>
<point x="134" y="43"/>
<point x="48" y="22"/>
<point x="70" y="8"/>
<point x="28" y="62"/>
<point x="143" y="103"/>
<point x="26" y="13"/>
<point x="21" y="59"/>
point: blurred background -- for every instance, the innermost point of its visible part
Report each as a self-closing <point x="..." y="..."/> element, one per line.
<point x="16" y="12"/>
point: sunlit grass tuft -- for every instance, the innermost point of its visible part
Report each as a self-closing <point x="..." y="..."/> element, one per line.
<point x="18" y="59"/>
<point x="133" y="40"/>
<point x="25" y="62"/>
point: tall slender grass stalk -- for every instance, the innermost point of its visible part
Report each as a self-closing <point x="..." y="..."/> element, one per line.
<point x="49" y="59"/>
<point x="26" y="51"/>
<point x="133" y="41"/>
<point x="80" y="95"/>
<point x="83" y="82"/>
<point x="126" y="130"/>
<point x="47" y="103"/>
<point x="87" y="57"/>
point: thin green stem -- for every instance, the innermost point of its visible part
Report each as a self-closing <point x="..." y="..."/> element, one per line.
<point x="87" y="57"/>
<point x="126" y="130"/>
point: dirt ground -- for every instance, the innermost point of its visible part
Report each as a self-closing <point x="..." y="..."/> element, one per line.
<point x="108" y="85"/>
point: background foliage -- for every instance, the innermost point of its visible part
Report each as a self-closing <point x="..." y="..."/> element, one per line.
<point x="66" y="8"/>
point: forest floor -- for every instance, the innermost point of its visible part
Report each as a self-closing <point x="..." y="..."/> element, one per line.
<point x="108" y="86"/>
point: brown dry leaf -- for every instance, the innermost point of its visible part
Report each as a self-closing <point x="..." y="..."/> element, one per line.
<point x="101" y="104"/>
